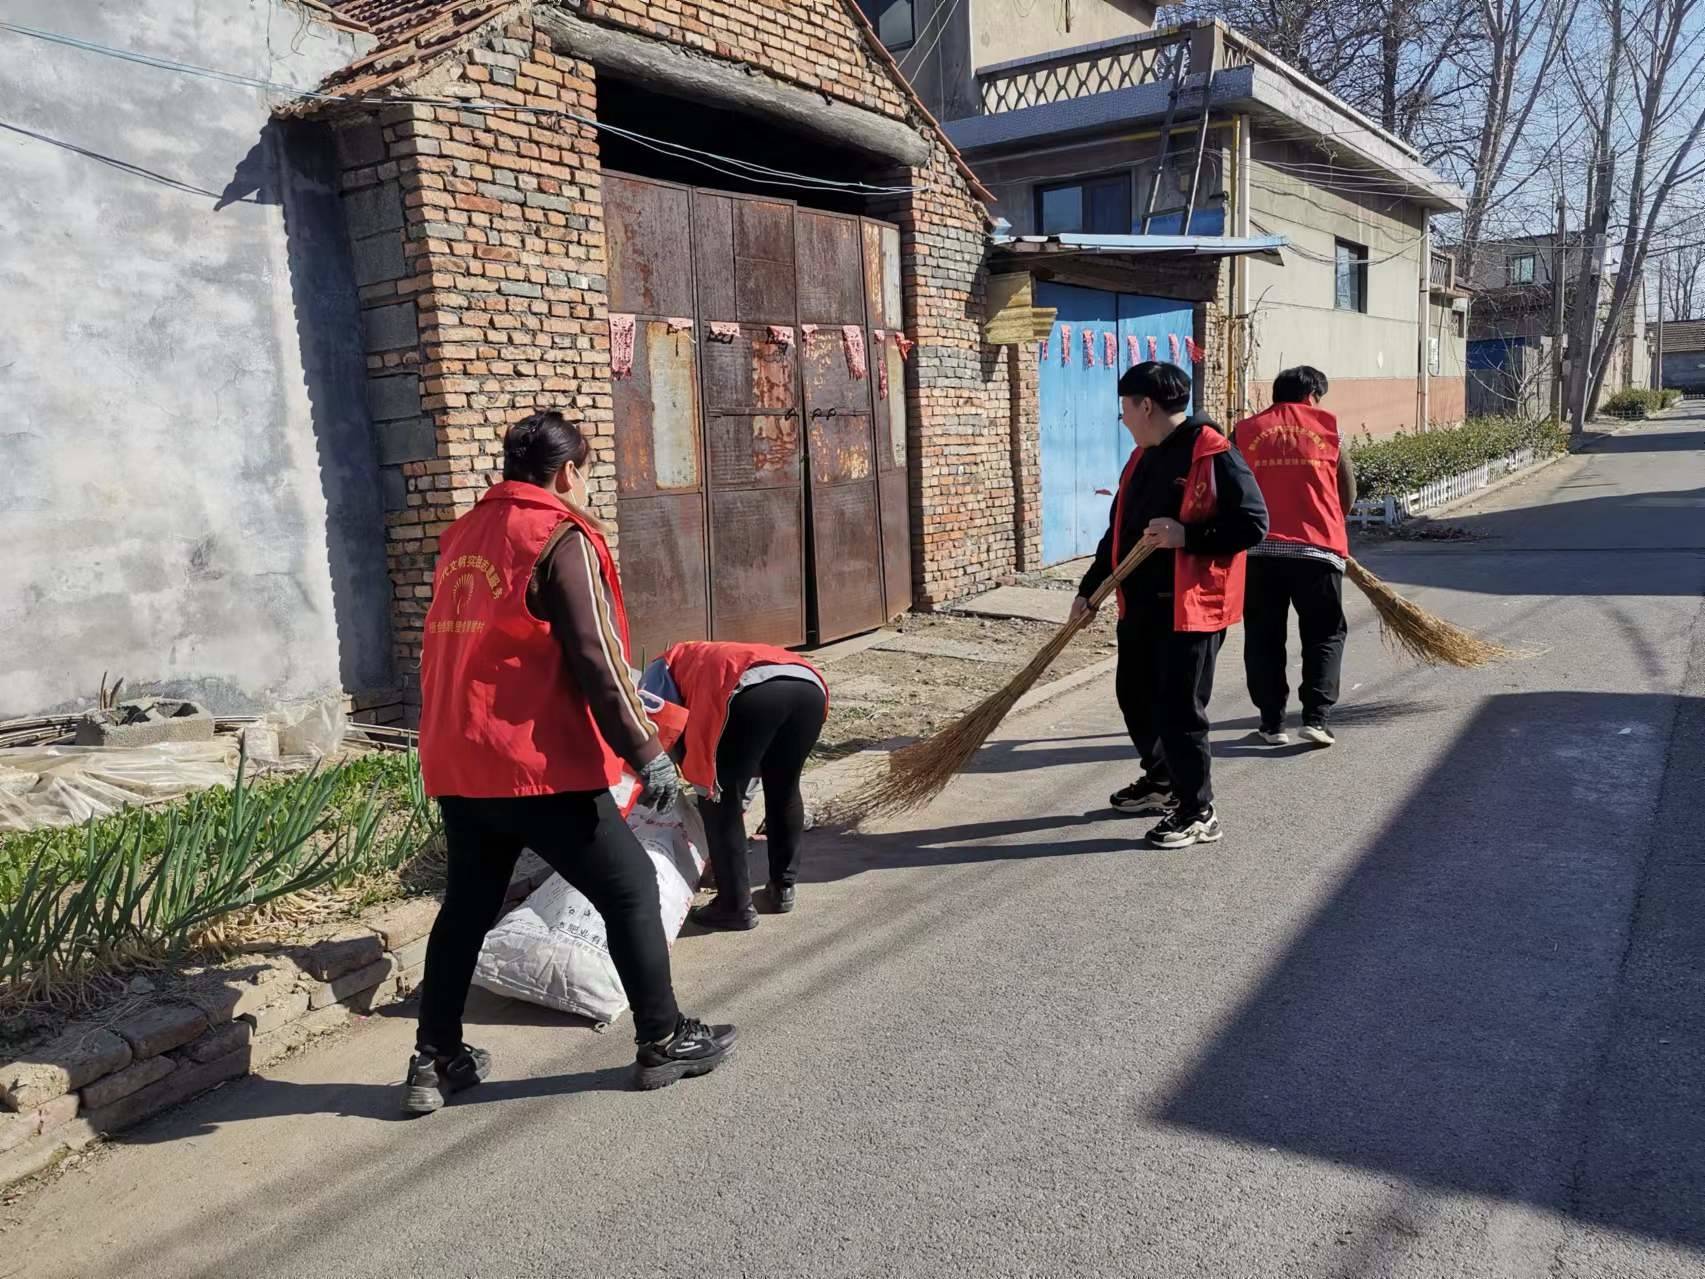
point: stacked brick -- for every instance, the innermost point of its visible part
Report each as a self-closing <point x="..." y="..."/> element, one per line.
<point x="155" y="1050"/>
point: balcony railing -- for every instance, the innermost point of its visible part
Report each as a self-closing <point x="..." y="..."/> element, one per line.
<point x="1442" y="272"/>
<point x="1157" y="58"/>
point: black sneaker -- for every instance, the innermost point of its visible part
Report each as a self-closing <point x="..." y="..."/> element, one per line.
<point x="1180" y="830"/>
<point x="433" y="1077"/>
<point x="1143" y="798"/>
<point x="1274" y="734"/>
<point x="720" y="917"/>
<point x="1317" y="734"/>
<point x="782" y="898"/>
<point x="694" y="1049"/>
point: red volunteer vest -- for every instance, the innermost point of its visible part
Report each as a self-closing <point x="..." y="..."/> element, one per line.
<point x="707" y="675"/>
<point x="500" y="715"/>
<point x="1207" y="590"/>
<point x="1293" y="450"/>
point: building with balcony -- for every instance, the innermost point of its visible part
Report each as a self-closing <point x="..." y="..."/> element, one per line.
<point x="1084" y="119"/>
<point x="1510" y="332"/>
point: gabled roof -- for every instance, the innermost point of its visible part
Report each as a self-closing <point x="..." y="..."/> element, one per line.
<point x="417" y="35"/>
<point x="1683" y="335"/>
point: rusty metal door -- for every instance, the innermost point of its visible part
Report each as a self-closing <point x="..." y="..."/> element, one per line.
<point x="882" y="303"/>
<point x="660" y="488"/>
<point x="744" y="265"/>
<point x="846" y="530"/>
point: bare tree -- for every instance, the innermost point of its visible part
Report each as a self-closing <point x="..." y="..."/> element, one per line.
<point x="1522" y="43"/>
<point x="1649" y="105"/>
<point x="1684" y="273"/>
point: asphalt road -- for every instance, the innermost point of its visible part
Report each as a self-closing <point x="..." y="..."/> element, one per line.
<point x="1433" y="1008"/>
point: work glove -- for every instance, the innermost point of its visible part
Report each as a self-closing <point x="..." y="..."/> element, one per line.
<point x="659" y="785"/>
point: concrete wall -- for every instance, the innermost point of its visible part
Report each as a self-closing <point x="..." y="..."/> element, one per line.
<point x="1002" y="30"/>
<point x="188" y="491"/>
<point x="1372" y="358"/>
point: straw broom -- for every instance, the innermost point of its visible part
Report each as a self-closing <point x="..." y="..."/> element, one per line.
<point x="1409" y="629"/>
<point x="919" y="772"/>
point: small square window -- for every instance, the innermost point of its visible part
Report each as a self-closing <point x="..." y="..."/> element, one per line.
<point x="1097" y="206"/>
<point x="892" y="20"/>
<point x="1350" y="276"/>
<point x="1521" y="268"/>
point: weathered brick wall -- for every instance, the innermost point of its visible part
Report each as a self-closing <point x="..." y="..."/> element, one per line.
<point x="480" y="241"/>
<point x="816" y="43"/>
<point x="1024" y="387"/>
<point x="480" y="245"/>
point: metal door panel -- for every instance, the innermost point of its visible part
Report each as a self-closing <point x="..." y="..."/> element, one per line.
<point x="763" y="262"/>
<point x="750" y="373"/>
<point x="757" y="566"/>
<point x="657" y="414"/>
<point x="648" y="233"/>
<point x="713" y="255"/>
<point x="754" y="450"/>
<point x="845" y="568"/>
<point x="840" y="447"/>
<point x="663" y="570"/>
<point x="882" y="298"/>
<point x="831" y="283"/>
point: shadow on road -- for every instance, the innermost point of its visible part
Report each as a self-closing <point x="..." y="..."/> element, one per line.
<point x="1652" y="442"/>
<point x="1474" y="988"/>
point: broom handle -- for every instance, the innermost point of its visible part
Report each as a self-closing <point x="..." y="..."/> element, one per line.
<point x="1137" y="554"/>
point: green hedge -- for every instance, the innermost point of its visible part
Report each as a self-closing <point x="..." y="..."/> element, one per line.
<point x="1635" y="403"/>
<point x="1404" y="462"/>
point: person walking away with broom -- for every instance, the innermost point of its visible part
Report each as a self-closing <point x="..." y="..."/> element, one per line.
<point x="1185" y="490"/>
<point x="1309" y="487"/>
<point x="754" y="712"/>
<point x="528" y="712"/>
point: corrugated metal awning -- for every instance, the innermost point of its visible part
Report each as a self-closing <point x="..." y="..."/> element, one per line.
<point x="1084" y="245"/>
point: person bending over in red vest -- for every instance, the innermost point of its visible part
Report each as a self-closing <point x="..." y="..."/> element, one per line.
<point x="1309" y="486"/>
<point x="1188" y="493"/>
<point x="753" y="714"/>
<point x="528" y="711"/>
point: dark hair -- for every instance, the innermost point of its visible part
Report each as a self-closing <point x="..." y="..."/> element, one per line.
<point x="535" y="448"/>
<point x="1294" y="386"/>
<point x="1166" y="384"/>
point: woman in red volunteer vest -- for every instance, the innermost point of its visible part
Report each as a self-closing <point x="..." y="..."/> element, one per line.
<point x="528" y="711"/>
<point x="754" y="712"/>
<point x="1309" y="486"/>
<point x="1187" y="492"/>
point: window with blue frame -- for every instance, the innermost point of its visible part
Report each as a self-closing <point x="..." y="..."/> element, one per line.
<point x="1092" y="206"/>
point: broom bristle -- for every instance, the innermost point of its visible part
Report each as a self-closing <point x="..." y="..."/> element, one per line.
<point x="1408" y="628"/>
<point x="918" y="773"/>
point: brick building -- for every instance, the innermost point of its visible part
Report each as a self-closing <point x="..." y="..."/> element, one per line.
<point x="549" y="180"/>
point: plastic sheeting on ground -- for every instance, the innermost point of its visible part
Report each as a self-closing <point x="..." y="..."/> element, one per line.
<point x="64" y="785"/>
<point x="552" y="949"/>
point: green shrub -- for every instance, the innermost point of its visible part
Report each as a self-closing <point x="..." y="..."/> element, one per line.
<point x="1404" y="462"/>
<point x="1672" y="396"/>
<point x="1636" y="403"/>
<point x="154" y="882"/>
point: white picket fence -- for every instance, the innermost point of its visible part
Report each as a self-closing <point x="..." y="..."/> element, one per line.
<point x="1390" y="510"/>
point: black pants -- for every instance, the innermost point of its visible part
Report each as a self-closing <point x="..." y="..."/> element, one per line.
<point x="1316" y="590"/>
<point x="1164" y="682"/>
<point x="581" y="836"/>
<point x="770" y="731"/>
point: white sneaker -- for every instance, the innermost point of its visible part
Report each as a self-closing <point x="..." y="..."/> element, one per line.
<point x="1179" y="830"/>
<point x="1274" y="735"/>
<point x="1317" y="735"/>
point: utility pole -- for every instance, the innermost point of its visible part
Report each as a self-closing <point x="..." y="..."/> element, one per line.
<point x="1557" y="290"/>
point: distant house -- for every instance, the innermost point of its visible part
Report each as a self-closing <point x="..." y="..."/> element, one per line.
<point x="1063" y="117"/>
<point x="1509" y="339"/>
<point x="1684" y="356"/>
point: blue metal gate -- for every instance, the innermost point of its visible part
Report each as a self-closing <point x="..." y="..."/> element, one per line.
<point x="1084" y="446"/>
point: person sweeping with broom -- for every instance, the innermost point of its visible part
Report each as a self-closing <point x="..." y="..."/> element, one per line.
<point x="1187" y="493"/>
<point x="1309" y="487"/>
